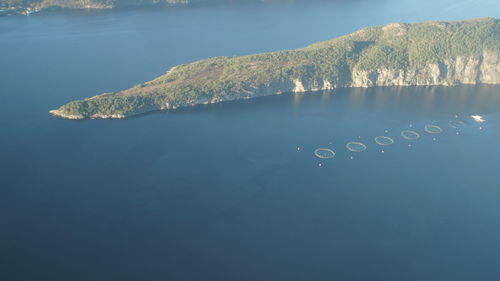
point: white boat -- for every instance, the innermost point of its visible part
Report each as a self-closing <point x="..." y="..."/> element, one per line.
<point x="478" y="118"/>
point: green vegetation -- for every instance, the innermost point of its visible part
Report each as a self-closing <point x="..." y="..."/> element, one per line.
<point x="106" y="4"/>
<point x="395" y="46"/>
<point x="78" y="4"/>
<point x="112" y="105"/>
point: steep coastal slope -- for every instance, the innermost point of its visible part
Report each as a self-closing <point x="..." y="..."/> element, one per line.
<point x="398" y="54"/>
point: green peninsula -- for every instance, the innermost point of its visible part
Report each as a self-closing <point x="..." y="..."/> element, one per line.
<point x="397" y="54"/>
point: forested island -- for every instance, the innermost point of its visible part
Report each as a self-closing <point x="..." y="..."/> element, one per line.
<point x="397" y="54"/>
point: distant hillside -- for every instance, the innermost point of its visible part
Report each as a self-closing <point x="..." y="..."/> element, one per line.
<point x="78" y="4"/>
<point x="107" y="4"/>
<point x="398" y="54"/>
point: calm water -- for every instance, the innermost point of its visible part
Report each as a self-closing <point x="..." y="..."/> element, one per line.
<point x="221" y="192"/>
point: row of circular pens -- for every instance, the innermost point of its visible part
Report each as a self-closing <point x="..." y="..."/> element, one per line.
<point x="326" y="153"/>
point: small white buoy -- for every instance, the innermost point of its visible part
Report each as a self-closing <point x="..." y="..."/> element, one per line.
<point x="298" y="147"/>
<point x="382" y="151"/>
<point x="320" y="164"/>
<point x="480" y="128"/>
<point x="352" y="157"/>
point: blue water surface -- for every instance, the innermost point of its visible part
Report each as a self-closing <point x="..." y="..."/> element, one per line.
<point x="233" y="191"/>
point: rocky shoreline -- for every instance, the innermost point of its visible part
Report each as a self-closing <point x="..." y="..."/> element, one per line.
<point x="422" y="54"/>
<point x="484" y="69"/>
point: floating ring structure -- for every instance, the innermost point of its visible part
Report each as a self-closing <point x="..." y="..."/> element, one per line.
<point x="384" y="140"/>
<point x="457" y="124"/>
<point x="433" y="129"/>
<point x="324" y="153"/>
<point x="356" y="146"/>
<point x="410" y="135"/>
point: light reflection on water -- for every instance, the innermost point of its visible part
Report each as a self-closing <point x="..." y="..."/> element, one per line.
<point x="435" y="113"/>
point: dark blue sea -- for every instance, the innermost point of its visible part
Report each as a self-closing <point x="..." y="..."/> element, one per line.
<point x="233" y="191"/>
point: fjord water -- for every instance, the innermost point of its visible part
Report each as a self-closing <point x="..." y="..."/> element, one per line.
<point x="233" y="191"/>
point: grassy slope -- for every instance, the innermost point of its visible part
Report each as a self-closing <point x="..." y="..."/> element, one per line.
<point x="394" y="46"/>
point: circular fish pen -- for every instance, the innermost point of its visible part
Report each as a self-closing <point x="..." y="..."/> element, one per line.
<point x="457" y="124"/>
<point x="384" y="140"/>
<point x="324" y="153"/>
<point x="433" y="129"/>
<point x="410" y="135"/>
<point x="356" y="146"/>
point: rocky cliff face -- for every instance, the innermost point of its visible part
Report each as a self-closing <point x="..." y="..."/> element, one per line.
<point x="484" y="69"/>
<point x="399" y="54"/>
